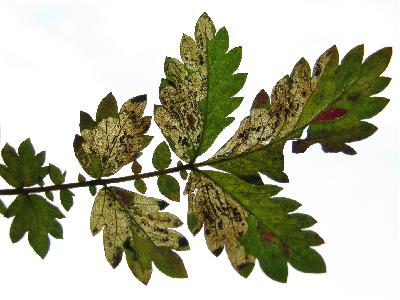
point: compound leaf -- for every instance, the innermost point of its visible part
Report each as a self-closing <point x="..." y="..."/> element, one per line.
<point x="133" y="224"/>
<point x="197" y="94"/>
<point x="33" y="214"/>
<point x="251" y="223"/>
<point x="115" y="139"/>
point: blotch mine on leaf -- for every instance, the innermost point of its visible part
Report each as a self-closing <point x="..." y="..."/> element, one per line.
<point x="132" y="223"/>
<point x="252" y="223"/>
<point x="197" y="94"/>
<point x="116" y="140"/>
<point x="223" y="218"/>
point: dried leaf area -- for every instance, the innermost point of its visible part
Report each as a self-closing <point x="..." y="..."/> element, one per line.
<point x="223" y="218"/>
<point x="130" y="220"/>
<point x="184" y="87"/>
<point x="115" y="139"/>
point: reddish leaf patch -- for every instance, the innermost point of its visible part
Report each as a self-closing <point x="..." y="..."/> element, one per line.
<point x="331" y="114"/>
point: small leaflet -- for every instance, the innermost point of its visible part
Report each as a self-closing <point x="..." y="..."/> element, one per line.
<point x="67" y="199"/>
<point x="3" y="208"/>
<point x="169" y="187"/>
<point x="49" y="195"/>
<point x="161" y="156"/>
<point x="140" y="185"/>
<point x="92" y="190"/>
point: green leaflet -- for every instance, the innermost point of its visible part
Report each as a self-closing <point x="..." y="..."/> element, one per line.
<point x="332" y="101"/>
<point x="49" y="195"/>
<point x="92" y="190"/>
<point x="33" y="214"/>
<point x="136" y="167"/>
<point x="162" y="156"/>
<point x="251" y="223"/>
<point x="169" y="187"/>
<point x="3" y="209"/>
<point x="140" y="186"/>
<point x="132" y="224"/>
<point x="81" y="178"/>
<point x="114" y="139"/>
<point x="197" y="94"/>
<point x="56" y="176"/>
<point x="67" y="199"/>
<point x="25" y="168"/>
<point x="183" y="173"/>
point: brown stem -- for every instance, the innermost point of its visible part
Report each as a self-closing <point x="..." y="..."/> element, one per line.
<point x="100" y="181"/>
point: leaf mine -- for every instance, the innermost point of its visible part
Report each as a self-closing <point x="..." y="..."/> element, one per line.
<point x="133" y="224"/>
<point x="116" y="140"/>
<point x="197" y="93"/>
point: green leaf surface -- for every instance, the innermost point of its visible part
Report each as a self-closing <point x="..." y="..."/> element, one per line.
<point x="169" y="187"/>
<point x="251" y="223"/>
<point x="197" y="94"/>
<point x="86" y="121"/>
<point x="133" y="224"/>
<point x="35" y="215"/>
<point x="116" y="139"/>
<point x="81" y="178"/>
<point x="22" y="169"/>
<point x="3" y="208"/>
<point x="49" y="195"/>
<point x="161" y="156"/>
<point x="67" y="199"/>
<point x="93" y="190"/>
<point x="140" y="186"/>
<point x="56" y="176"/>
<point x="107" y="108"/>
<point x="136" y="167"/>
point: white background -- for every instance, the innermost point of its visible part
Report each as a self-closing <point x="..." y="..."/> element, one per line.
<point x="60" y="57"/>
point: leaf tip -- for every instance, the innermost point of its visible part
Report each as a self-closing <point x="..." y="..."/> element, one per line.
<point x="245" y="269"/>
<point x="217" y="251"/>
<point x="162" y="204"/>
<point x="261" y="100"/>
<point x="183" y="243"/>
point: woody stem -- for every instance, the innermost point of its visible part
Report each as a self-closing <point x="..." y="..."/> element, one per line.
<point x="95" y="182"/>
